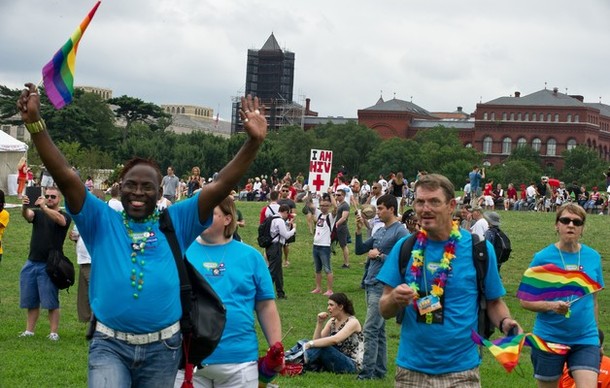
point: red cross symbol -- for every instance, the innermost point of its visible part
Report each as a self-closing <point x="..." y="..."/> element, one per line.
<point x="318" y="182"/>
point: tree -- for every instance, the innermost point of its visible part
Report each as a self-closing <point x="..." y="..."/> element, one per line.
<point x="583" y="165"/>
<point x="133" y="110"/>
<point x="8" y="104"/>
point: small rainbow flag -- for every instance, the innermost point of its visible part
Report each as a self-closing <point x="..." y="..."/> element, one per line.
<point x="58" y="74"/>
<point x="507" y="349"/>
<point x="547" y="282"/>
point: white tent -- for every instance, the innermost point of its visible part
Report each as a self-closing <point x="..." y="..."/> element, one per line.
<point x="11" y="150"/>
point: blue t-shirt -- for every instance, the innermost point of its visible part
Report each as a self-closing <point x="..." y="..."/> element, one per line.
<point x="110" y="291"/>
<point x="239" y="275"/>
<point x="580" y="328"/>
<point x="447" y="347"/>
<point x="475" y="180"/>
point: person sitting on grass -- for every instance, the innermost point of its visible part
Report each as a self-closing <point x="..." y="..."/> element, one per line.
<point x="338" y="345"/>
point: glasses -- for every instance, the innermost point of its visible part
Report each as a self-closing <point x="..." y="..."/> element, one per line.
<point x="285" y="191"/>
<point x="375" y="188"/>
<point x="47" y="196"/>
<point x="432" y="203"/>
<point x="575" y="221"/>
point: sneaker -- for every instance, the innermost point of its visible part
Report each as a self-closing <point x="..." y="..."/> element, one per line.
<point x="53" y="337"/>
<point x="345" y="266"/>
<point x="26" y="334"/>
<point x="328" y="293"/>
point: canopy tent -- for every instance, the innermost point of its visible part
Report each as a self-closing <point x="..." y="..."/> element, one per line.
<point x="11" y="150"/>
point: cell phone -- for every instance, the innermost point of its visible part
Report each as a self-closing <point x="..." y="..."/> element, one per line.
<point x="513" y="331"/>
<point x="33" y="193"/>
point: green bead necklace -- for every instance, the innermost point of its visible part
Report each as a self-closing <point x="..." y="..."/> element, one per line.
<point x="138" y="244"/>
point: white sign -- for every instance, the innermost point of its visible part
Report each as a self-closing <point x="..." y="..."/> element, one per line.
<point x="320" y="166"/>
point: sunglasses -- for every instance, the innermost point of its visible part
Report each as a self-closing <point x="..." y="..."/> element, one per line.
<point x="51" y="196"/>
<point x="575" y="221"/>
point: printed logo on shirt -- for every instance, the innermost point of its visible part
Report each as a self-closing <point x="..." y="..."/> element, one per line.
<point x="150" y="237"/>
<point x="213" y="268"/>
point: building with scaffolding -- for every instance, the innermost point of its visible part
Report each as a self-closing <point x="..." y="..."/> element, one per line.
<point x="270" y="77"/>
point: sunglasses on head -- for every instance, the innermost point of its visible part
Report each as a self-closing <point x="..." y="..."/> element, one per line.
<point x="575" y="221"/>
<point x="51" y="196"/>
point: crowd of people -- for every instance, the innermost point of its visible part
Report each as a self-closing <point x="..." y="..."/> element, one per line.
<point x="126" y="257"/>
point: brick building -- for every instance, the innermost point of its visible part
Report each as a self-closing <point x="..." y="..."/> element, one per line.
<point x="547" y="120"/>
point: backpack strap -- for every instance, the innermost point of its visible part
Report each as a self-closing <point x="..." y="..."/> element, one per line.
<point x="403" y="260"/>
<point x="271" y="210"/>
<point x="480" y="259"/>
<point x="167" y="227"/>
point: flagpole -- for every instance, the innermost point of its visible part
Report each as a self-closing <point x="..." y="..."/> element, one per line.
<point x="582" y="296"/>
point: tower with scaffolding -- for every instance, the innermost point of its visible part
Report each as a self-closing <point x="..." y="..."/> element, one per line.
<point x="270" y="77"/>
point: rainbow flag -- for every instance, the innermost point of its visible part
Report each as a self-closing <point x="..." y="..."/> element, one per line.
<point x="58" y="74"/>
<point x="507" y="349"/>
<point x="547" y="282"/>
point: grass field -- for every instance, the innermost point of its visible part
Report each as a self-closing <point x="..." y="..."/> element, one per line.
<point x="38" y="362"/>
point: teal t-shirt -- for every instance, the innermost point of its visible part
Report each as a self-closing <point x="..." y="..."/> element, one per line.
<point x="111" y="292"/>
<point x="447" y="347"/>
<point x="239" y="275"/>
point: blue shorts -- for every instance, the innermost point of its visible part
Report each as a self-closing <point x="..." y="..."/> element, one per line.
<point x="36" y="288"/>
<point x="321" y="258"/>
<point x="549" y="366"/>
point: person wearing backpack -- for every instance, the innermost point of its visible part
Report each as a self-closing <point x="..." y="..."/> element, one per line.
<point x="498" y="239"/>
<point x="325" y="220"/>
<point x="280" y="232"/>
<point x="50" y="226"/>
<point x="439" y="295"/>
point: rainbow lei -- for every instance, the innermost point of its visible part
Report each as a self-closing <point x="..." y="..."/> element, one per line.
<point x="439" y="279"/>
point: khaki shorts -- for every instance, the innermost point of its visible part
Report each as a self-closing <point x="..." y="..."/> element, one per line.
<point x="406" y="378"/>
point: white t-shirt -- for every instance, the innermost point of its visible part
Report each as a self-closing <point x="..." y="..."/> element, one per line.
<point x="384" y="185"/>
<point x="322" y="234"/>
<point x="115" y="204"/>
<point x="82" y="254"/>
<point x="273" y="206"/>
<point x="480" y="227"/>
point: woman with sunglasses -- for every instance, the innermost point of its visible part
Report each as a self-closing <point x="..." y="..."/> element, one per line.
<point x="557" y="320"/>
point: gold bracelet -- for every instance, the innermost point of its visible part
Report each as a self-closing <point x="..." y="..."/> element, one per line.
<point x="36" y="127"/>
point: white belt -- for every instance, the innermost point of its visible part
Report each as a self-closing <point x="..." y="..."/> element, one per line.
<point x="139" y="339"/>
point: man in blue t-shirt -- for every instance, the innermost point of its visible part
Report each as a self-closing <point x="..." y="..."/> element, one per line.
<point x="440" y="301"/>
<point x="475" y="176"/>
<point x="134" y="289"/>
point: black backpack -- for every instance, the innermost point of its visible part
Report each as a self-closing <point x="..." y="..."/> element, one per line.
<point x="480" y="260"/>
<point x="502" y="245"/>
<point x="265" y="239"/>
<point x="60" y="269"/>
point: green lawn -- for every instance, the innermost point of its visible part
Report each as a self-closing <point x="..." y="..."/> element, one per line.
<point x="39" y="362"/>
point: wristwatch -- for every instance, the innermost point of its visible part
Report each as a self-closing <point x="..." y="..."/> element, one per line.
<point x="310" y="343"/>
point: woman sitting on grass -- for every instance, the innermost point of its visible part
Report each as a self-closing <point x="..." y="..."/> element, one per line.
<point x="338" y="345"/>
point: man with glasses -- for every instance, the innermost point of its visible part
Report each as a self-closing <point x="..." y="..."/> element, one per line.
<point x="342" y="229"/>
<point x="50" y="225"/>
<point x="439" y="295"/>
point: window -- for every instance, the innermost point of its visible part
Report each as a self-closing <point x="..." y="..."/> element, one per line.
<point x="512" y="117"/>
<point x="569" y="117"/>
<point x="468" y="145"/>
<point x="548" y="117"/>
<point x="577" y="119"/>
<point x="527" y="116"/>
<point x="485" y="116"/>
<point x="551" y="147"/>
<point x="533" y="116"/>
<point x="487" y="143"/>
<point x="556" y="117"/>
<point x="571" y="144"/>
<point x="521" y="142"/>
<point x="7" y="129"/>
<point x="519" y="118"/>
<point x="493" y="116"/>
<point x="536" y="143"/>
<point x="504" y="116"/>
<point x="20" y="132"/>
<point x="506" y="146"/>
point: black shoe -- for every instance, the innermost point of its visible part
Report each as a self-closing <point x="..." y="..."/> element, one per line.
<point x="282" y="296"/>
<point x="345" y="266"/>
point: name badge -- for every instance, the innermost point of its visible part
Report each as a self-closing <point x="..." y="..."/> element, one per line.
<point x="428" y="304"/>
<point x="572" y="267"/>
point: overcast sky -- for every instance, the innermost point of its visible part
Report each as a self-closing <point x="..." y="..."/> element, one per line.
<point x="439" y="54"/>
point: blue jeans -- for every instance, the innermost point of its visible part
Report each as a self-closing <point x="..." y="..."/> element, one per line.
<point x="330" y="359"/>
<point x="115" y="363"/>
<point x="375" y="361"/>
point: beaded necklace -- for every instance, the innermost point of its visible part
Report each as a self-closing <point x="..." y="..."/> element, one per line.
<point x="138" y="244"/>
<point x="439" y="278"/>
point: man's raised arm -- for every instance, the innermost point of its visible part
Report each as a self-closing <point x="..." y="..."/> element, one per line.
<point x="255" y="124"/>
<point x="66" y="179"/>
